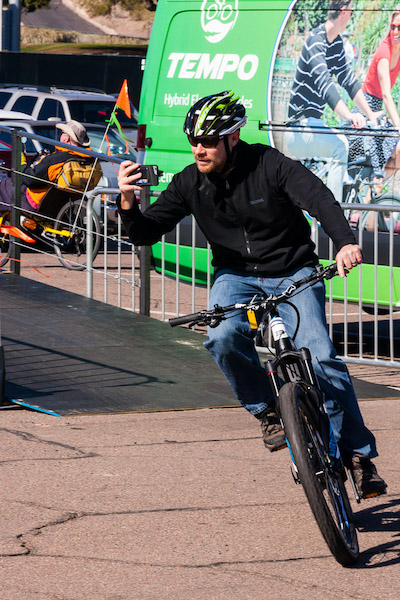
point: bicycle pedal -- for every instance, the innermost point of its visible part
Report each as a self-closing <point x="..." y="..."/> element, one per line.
<point x="373" y="495"/>
<point x="276" y="448"/>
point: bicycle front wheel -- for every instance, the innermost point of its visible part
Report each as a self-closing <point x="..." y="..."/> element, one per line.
<point x="70" y="243"/>
<point x="385" y="217"/>
<point x="322" y="483"/>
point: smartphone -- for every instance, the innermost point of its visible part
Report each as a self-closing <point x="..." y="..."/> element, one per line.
<point x="150" y="174"/>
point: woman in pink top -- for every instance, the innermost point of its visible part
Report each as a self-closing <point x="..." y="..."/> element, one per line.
<point x="380" y="79"/>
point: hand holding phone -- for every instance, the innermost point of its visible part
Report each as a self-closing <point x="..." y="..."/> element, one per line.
<point x="150" y="174"/>
<point x="129" y="181"/>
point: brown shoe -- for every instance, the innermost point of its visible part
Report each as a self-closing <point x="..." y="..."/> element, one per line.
<point x="368" y="483"/>
<point x="272" y="431"/>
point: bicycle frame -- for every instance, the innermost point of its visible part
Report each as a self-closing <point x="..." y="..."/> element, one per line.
<point x="33" y="221"/>
<point x="10" y="230"/>
<point x="362" y="165"/>
<point x="295" y="365"/>
<point x="363" y="175"/>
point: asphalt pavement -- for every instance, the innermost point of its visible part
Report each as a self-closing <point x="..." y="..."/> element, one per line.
<point x="183" y="505"/>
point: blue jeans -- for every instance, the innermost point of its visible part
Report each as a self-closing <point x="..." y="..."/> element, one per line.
<point x="313" y="142"/>
<point x="232" y="347"/>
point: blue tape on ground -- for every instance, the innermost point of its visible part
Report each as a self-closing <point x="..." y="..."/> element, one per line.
<point x="33" y="407"/>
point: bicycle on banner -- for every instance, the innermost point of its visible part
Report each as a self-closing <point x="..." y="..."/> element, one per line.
<point x="316" y="461"/>
<point x="360" y="186"/>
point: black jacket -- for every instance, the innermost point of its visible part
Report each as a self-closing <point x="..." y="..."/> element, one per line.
<point x="253" y="219"/>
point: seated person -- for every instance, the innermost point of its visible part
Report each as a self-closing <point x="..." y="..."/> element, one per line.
<point x="45" y="169"/>
<point x="379" y="82"/>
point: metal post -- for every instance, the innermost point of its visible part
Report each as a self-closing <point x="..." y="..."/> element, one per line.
<point x="5" y="27"/>
<point x="89" y="245"/>
<point x="1" y="25"/>
<point x="15" y="10"/>
<point x="2" y="375"/>
<point x="16" y="201"/>
<point x="145" y="260"/>
<point x="2" y="371"/>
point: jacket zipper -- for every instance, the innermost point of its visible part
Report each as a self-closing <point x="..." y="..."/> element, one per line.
<point x="246" y="239"/>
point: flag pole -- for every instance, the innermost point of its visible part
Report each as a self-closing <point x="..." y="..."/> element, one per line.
<point x="112" y="119"/>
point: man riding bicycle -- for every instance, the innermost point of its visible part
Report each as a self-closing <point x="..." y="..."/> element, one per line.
<point x="248" y="201"/>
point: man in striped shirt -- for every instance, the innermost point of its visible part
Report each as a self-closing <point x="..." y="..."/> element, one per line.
<point x="321" y="59"/>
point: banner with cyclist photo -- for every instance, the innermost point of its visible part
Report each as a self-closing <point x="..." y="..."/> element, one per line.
<point x="334" y="95"/>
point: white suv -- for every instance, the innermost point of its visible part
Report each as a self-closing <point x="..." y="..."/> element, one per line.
<point x="85" y="106"/>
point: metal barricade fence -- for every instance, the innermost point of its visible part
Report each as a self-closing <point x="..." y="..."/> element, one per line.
<point x="169" y="296"/>
<point x="376" y="318"/>
<point x="132" y="267"/>
<point x="173" y="292"/>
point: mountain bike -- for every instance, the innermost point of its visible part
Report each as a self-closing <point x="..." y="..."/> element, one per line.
<point x="316" y="461"/>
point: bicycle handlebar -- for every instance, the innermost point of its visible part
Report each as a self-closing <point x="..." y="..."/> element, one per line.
<point x="193" y="318"/>
<point x="214" y="316"/>
<point x="371" y="128"/>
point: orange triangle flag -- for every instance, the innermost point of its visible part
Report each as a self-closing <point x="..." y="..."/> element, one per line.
<point x="123" y="99"/>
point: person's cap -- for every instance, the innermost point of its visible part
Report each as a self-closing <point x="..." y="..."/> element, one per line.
<point x="76" y="131"/>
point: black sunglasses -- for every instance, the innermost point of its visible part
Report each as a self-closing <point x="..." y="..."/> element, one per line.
<point x="393" y="27"/>
<point x="205" y="141"/>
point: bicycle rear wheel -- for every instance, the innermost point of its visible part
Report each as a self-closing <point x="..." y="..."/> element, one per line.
<point x="71" y="249"/>
<point x="323" y="485"/>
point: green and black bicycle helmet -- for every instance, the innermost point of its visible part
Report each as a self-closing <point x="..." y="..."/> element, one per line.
<point x="218" y="114"/>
